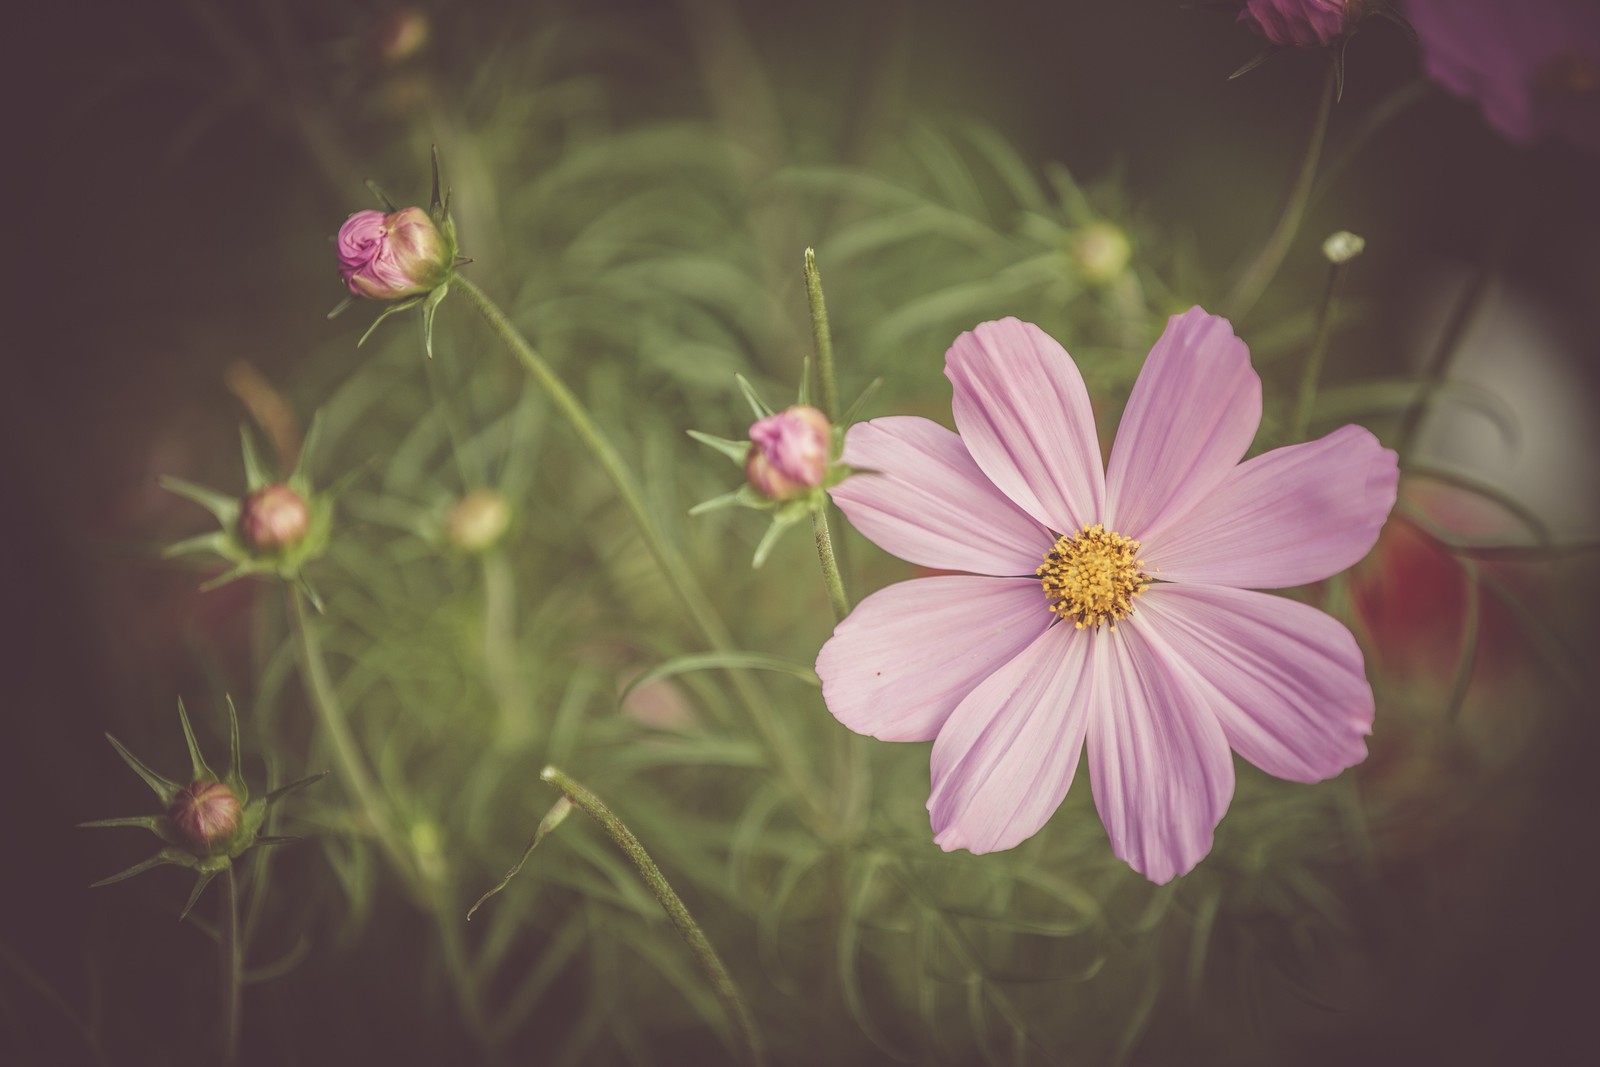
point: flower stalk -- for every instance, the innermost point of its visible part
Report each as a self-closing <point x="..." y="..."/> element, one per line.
<point x="672" y="565"/>
<point x="1259" y="274"/>
<point x="232" y="967"/>
<point x="822" y="337"/>
<point x="710" y="963"/>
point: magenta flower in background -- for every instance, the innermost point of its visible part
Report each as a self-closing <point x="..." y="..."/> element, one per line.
<point x="386" y="257"/>
<point x="789" y="452"/>
<point x="1106" y="607"/>
<point x="1533" y="66"/>
<point x="1301" y="23"/>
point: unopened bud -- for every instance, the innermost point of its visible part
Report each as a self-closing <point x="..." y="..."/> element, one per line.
<point x="401" y="35"/>
<point x="1302" y="23"/>
<point x="273" y="517"/>
<point x="1101" y="251"/>
<point x="205" y="813"/>
<point x="1342" y="247"/>
<point x="386" y="257"/>
<point x="789" y="453"/>
<point x="478" y="521"/>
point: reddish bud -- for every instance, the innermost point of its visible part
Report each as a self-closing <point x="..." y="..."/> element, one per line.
<point x="205" y="813"/>
<point x="273" y="517"/>
<point x="789" y="452"/>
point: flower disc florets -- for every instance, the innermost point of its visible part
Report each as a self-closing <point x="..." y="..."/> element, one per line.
<point x="1091" y="577"/>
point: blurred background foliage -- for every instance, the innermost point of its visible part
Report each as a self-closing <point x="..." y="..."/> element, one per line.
<point x="635" y="183"/>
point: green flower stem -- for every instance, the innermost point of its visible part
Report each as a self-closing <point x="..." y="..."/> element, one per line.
<point x="676" y="571"/>
<point x="352" y="771"/>
<point x="232" y="967"/>
<point x="424" y="885"/>
<point x="830" y="566"/>
<point x="1259" y="274"/>
<point x="704" y="953"/>
<point x="1300" y="423"/>
<point x="822" y="336"/>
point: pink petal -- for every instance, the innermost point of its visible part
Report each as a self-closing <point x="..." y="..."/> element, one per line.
<point x="908" y="654"/>
<point x="1191" y="416"/>
<point x="930" y="504"/>
<point x="1284" y="679"/>
<point x="1024" y="414"/>
<point x="1159" y="764"/>
<point x="1003" y="762"/>
<point x="1291" y="516"/>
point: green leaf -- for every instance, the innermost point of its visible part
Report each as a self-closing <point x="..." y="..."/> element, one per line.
<point x="734" y="450"/>
<point x="196" y="760"/>
<point x="164" y="788"/>
<point x="224" y="507"/>
<point x="553" y="818"/>
<point x="757" y="405"/>
<point x="723" y="661"/>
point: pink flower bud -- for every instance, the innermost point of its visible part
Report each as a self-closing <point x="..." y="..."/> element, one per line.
<point x="273" y="517"/>
<point x="385" y="257"/>
<point x="205" y="813"/>
<point x="1301" y="23"/>
<point x="789" y="453"/>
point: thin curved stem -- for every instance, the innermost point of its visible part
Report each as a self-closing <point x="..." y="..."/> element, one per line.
<point x="232" y="967"/>
<point x="710" y="963"/>
<point x="352" y="770"/>
<point x="1259" y="274"/>
<point x="1311" y="373"/>
<point x="684" y="587"/>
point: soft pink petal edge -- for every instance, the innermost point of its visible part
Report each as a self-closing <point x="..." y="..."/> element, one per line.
<point x="1159" y="764"/>
<point x="1190" y="418"/>
<point x="922" y="498"/>
<point x="1294" y="515"/>
<point x="1024" y="415"/>
<point x="1004" y="761"/>
<point x="902" y="661"/>
<point x="1285" y="681"/>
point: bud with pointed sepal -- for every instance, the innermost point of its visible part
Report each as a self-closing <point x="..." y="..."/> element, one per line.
<point x="207" y="824"/>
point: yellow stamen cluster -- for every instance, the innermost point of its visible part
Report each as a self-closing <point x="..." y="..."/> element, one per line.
<point x="1092" y="576"/>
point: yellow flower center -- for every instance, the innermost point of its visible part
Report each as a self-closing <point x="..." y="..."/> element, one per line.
<point x="1092" y="576"/>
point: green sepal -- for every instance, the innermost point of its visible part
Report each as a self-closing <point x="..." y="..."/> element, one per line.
<point x="174" y="856"/>
<point x="215" y="543"/>
<point x="164" y="788"/>
<point x="196" y="760"/>
<point x="200" y="884"/>
<point x="855" y="409"/>
<point x="757" y="405"/>
<point x="429" y="306"/>
<point x="392" y="309"/>
<point x="300" y="478"/>
<point x="225" y="508"/>
<point x="256" y="475"/>
<point x="299" y="783"/>
<point x="784" y="516"/>
<point x="341" y="307"/>
<point x="229" y="576"/>
<point x="435" y="205"/>
<point x="718" y="503"/>
<point x="159" y="825"/>
<point x="738" y="451"/>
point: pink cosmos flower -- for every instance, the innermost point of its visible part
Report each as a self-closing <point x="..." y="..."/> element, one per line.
<point x="386" y="257"/>
<point x="1533" y="66"/>
<point x="1301" y="23"/>
<point x="1107" y="607"/>
<point x="789" y="452"/>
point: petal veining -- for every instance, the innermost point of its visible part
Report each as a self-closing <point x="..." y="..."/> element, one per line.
<point x="1024" y="414"/>
<point x="902" y="661"/>
<point x="922" y="498"/>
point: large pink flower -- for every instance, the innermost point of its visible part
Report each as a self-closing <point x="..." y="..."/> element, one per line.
<point x="1105" y="606"/>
